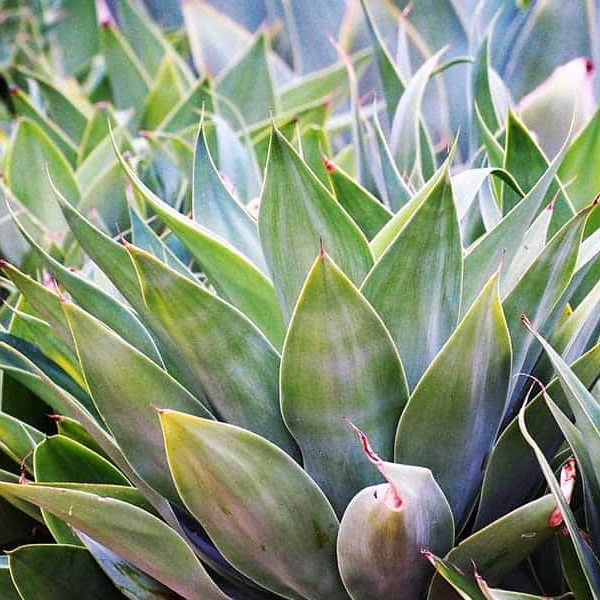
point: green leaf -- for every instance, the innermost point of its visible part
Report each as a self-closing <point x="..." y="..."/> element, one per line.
<point x="144" y="237"/>
<point x="497" y="549"/>
<point x="18" y="439"/>
<point x="380" y="544"/>
<point x="25" y="108"/>
<point x="126" y="387"/>
<point x="464" y="585"/>
<point x="481" y="88"/>
<point x="127" y="578"/>
<point x="393" y="227"/>
<point x="465" y="385"/>
<point x="59" y="459"/>
<point x="59" y="571"/>
<point x="187" y="111"/>
<point x="60" y="109"/>
<point x="366" y="211"/>
<point x="330" y="82"/>
<point x="262" y="511"/>
<point x="128" y="79"/>
<point x="30" y="146"/>
<point x="393" y="190"/>
<point x="248" y="83"/>
<point x="234" y="277"/>
<point x="578" y="170"/>
<point x="500" y="245"/>
<point x="132" y="533"/>
<point x="391" y="81"/>
<point x="512" y="473"/>
<point x="415" y="286"/>
<point x="96" y="130"/>
<point x="236" y="367"/>
<point x="537" y="292"/>
<point x="91" y="297"/>
<point x="214" y="207"/>
<point x="406" y="137"/>
<point x="166" y="91"/>
<point x="587" y="559"/>
<point x="7" y="587"/>
<point x="213" y="37"/>
<point x="328" y="375"/>
<point x="291" y="225"/>
<point x="113" y="259"/>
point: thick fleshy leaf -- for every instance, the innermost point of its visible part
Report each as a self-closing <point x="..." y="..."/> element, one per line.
<point x="24" y="107"/>
<point x="59" y="459"/>
<point x="296" y="212"/>
<point x="30" y="146"/>
<point x="132" y="533"/>
<point x="234" y="277"/>
<point x="214" y="207"/>
<point x="537" y="292"/>
<point x="126" y="387"/>
<point x="512" y="473"/>
<point x="128" y="579"/>
<point x="393" y="227"/>
<point x="499" y="246"/>
<point x="415" y="286"/>
<point x="59" y="571"/>
<point x="393" y="190"/>
<point x="366" y="211"/>
<point x="406" y="137"/>
<point x="128" y="79"/>
<point x="7" y="587"/>
<point x="112" y="258"/>
<point x="236" y="367"/>
<point x="18" y="439"/>
<point x="465" y="385"/>
<point x="95" y="300"/>
<point x="166" y="91"/>
<point x="330" y="82"/>
<point x="329" y="373"/>
<point x="186" y="112"/>
<point x="521" y="531"/>
<point x="385" y="528"/>
<point x="263" y="512"/>
<point x="589" y="562"/>
<point x="248" y="83"/>
<point x="144" y="237"/>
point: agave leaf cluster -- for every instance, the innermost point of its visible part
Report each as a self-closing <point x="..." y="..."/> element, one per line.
<point x="290" y="346"/>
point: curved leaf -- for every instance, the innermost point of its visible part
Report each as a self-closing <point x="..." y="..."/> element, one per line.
<point x="415" y="286"/>
<point x="465" y="385"/>
<point x="296" y="211"/>
<point x="59" y="571"/>
<point x="339" y="362"/>
<point x="126" y="387"/>
<point x="384" y="530"/>
<point x="236" y="367"/>
<point x="234" y="277"/>
<point x="132" y="533"/>
<point x="260" y="508"/>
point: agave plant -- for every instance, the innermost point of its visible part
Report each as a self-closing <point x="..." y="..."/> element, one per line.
<point x="287" y="357"/>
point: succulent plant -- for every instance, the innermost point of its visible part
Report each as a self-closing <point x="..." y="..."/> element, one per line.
<point x="294" y="343"/>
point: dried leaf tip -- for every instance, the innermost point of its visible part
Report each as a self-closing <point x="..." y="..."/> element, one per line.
<point x="329" y="166"/>
<point x="392" y="498"/>
<point x="321" y="250"/>
<point x="596" y="199"/>
<point x="525" y="320"/>
<point x="4" y="263"/>
<point x="589" y="66"/>
<point x="567" y="484"/>
<point x="56" y="418"/>
<point x="425" y="552"/>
